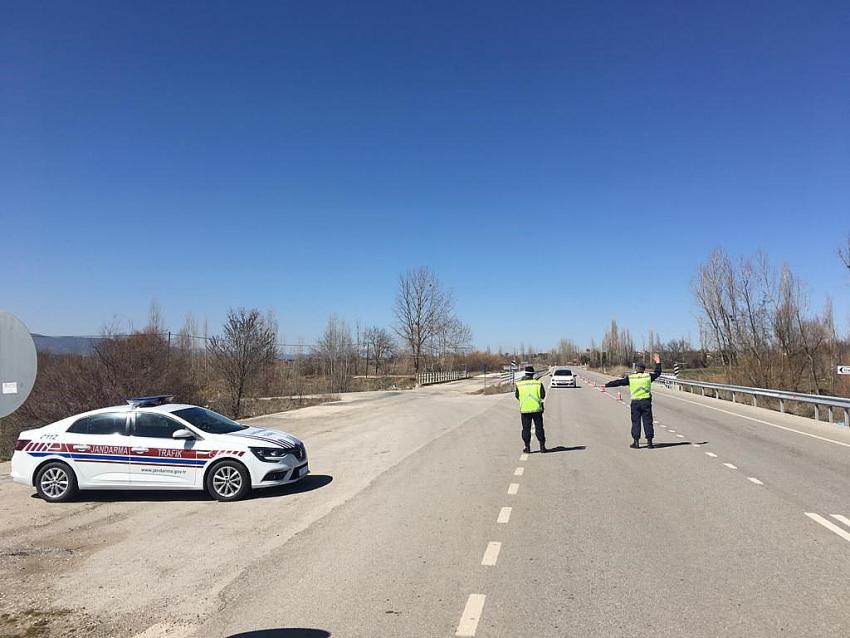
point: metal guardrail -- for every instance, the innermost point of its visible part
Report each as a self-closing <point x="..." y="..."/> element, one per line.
<point x="818" y="400"/>
<point x="507" y="376"/>
<point x="430" y="378"/>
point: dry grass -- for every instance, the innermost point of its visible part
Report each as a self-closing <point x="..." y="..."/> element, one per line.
<point x="499" y="388"/>
<point x="259" y="407"/>
<point x="614" y="371"/>
<point x="395" y="382"/>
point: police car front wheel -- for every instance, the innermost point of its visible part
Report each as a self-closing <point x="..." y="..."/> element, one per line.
<point x="228" y="481"/>
<point x="55" y="482"/>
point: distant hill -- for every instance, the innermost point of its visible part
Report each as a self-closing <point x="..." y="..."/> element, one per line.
<point x="64" y="345"/>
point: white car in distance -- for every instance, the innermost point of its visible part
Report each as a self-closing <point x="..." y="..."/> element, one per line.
<point x="562" y="378"/>
<point x="151" y="444"/>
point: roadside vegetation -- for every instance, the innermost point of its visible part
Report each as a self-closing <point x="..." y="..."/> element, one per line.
<point x="758" y="327"/>
<point x="496" y="388"/>
<point x="247" y="369"/>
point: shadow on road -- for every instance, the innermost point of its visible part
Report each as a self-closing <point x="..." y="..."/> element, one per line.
<point x="562" y="448"/>
<point x="307" y="484"/>
<point x="676" y="444"/>
<point x="283" y="633"/>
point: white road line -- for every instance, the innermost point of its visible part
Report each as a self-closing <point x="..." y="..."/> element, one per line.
<point x="749" y="418"/>
<point x="672" y="431"/>
<point x="519" y="471"/>
<point x="841" y="519"/>
<point x="753" y="479"/>
<point x="523" y="457"/>
<point x="513" y="488"/>
<point x="471" y="615"/>
<point x="730" y="466"/>
<point x="711" y="454"/>
<point x="491" y="554"/>
<point x="696" y="444"/>
<point x="681" y="436"/>
<point x="832" y="527"/>
<point x="504" y="515"/>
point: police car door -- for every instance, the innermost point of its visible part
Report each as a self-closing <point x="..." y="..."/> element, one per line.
<point x="98" y="448"/>
<point x="157" y="459"/>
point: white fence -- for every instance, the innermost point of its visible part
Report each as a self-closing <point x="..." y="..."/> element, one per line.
<point x="507" y="376"/>
<point x="430" y="378"/>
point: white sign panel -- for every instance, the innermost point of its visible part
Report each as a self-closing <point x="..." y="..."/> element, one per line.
<point x="10" y="388"/>
<point x="843" y="369"/>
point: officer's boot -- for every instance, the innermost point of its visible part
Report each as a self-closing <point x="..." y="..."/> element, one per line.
<point x="635" y="444"/>
<point x="649" y="443"/>
<point x="543" y="448"/>
<point x="526" y="450"/>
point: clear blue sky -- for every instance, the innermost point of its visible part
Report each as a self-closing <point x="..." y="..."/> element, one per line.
<point x="557" y="164"/>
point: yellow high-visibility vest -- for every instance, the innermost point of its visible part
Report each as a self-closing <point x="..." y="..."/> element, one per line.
<point x="640" y="386"/>
<point x="530" y="395"/>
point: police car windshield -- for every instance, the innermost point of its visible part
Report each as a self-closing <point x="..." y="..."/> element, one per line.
<point x="209" y="421"/>
<point x="563" y="373"/>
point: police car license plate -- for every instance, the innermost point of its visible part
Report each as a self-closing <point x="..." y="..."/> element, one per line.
<point x="300" y="471"/>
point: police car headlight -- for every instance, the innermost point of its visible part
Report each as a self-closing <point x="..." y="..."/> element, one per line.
<point x="270" y="454"/>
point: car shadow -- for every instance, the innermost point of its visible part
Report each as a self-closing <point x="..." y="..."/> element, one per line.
<point x="283" y="633"/>
<point x="307" y="484"/>
<point x="562" y="448"/>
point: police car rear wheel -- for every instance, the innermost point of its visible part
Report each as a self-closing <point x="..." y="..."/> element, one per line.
<point x="56" y="482"/>
<point x="228" y="481"/>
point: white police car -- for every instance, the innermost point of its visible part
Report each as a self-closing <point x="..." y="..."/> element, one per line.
<point x="562" y="378"/>
<point x="151" y="444"/>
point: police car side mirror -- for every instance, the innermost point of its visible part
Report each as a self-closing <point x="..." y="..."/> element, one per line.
<point x="182" y="433"/>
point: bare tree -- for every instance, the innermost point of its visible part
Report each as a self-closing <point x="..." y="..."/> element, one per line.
<point x="451" y="340"/>
<point x="335" y="350"/>
<point x="566" y="351"/>
<point x="714" y="289"/>
<point x="380" y="346"/>
<point x="759" y="321"/>
<point x="246" y="348"/>
<point x="422" y="307"/>
<point x="618" y="344"/>
<point x="844" y="254"/>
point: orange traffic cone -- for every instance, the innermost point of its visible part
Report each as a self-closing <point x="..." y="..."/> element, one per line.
<point x="602" y="388"/>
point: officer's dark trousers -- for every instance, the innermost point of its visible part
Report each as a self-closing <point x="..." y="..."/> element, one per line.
<point x="642" y="409"/>
<point x="527" y="418"/>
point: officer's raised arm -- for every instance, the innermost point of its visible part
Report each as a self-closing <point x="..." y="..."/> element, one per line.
<point x="657" y="372"/>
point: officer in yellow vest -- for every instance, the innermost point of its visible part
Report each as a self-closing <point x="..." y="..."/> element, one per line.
<point x="531" y="393"/>
<point x="640" y="387"/>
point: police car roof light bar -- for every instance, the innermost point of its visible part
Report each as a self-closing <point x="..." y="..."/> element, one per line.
<point x="149" y="402"/>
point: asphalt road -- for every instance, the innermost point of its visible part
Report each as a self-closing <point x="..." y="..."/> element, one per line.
<point x="738" y="524"/>
<point x="600" y="539"/>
